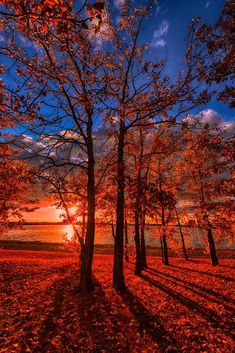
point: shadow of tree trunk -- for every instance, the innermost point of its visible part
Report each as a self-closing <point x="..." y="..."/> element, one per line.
<point x="149" y="323"/>
<point x="208" y="314"/>
<point x="195" y="288"/>
<point x="205" y="273"/>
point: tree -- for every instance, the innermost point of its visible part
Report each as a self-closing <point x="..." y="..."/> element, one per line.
<point x="106" y="204"/>
<point x="136" y="152"/>
<point x="137" y="160"/>
<point x="206" y="168"/>
<point x="17" y="180"/>
<point x="140" y="95"/>
<point x="70" y="197"/>
<point x="57" y="85"/>
<point x="216" y="43"/>
<point x="181" y="234"/>
<point x="17" y="177"/>
<point x="68" y="82"/>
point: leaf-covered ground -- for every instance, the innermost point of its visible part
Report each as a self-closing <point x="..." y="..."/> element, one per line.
<point x="186" y="307"/>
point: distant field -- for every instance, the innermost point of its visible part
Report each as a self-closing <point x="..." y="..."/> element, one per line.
<point x="185" y="307"/>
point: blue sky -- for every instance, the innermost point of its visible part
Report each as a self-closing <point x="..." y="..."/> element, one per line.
<point x="165" y="31"/>
<point x="167" y="28"/>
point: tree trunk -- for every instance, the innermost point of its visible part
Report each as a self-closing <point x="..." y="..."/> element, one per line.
<point x="213" y="255"/>
<point x="165" y="258"/>
<point x="83" y="225"/>
<point x="118" y="275"/>
<point x="83" y="234"/>
<point x="161" y="248"/>
<point x="182" y="236"/>
<point x="138" y="213"/>
<point x="165" y="250"/>
<point x="142" y="244"/>
<point x="126" y="242"/>
<point x="183" y="244"/>
<point x="113" y="230"/>
<point x="86" y="284"/>
<point x="137" y="245"/>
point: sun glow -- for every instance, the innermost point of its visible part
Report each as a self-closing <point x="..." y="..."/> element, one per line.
<point x="68" y="231"/>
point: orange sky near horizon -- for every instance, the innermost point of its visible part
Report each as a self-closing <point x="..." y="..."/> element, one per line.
<point x="44" y="214"/>
<point x="46" y="211"/>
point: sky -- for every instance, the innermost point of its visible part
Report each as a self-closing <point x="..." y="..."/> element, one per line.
<point x="168" y="28"/>
<point x="45" y="213"/>
<point x="165" y="31"/>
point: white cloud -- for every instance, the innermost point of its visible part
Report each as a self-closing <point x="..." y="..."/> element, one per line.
<point x="29" y="144"/>
<point x="207" y="4"/>
<point x="159" y="43"/>
<point x="229" y="127"/>
<point x="60" y="148"/>
<point x="213" y="119"/>
<point x="162" y="30"/>
<point x="100" y="29"/>
<point x="159" y="36"/>
<point x="209" y="116"/>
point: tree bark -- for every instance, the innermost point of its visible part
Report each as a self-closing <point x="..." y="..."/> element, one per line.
<point x="83" y="234"/>
<point x="138" y="213"/>
<point x="161" y="248"/>
<point x="137" y="245"/>
<point x="113" y="230"/>
<point x="118" y="275"/>
<point x="165" y="258"/>
<point x="182" y="236"/>
<point x="213" y="255"/>
<point x="126" y="242"/>
<point x="165" y="250"/>
<point x="142" y="244"/>
<point x="83" y="225"/>
<point x="86" y="283"/>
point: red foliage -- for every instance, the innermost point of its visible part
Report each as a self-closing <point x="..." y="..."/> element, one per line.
<point x="186" y="307"/>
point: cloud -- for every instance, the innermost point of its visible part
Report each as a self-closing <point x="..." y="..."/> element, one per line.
<point x="28" y="144"/>
<point x="57" y="149"/>
<point x="207" y="4"/>
<point x="99" y="29"/>
<point x="162" y="30"/>
<point x="159" y="43"/>
<point x="213" y="119"/>
<point x="209" y="116"/>
<point x="118" y="3"/>
<point x="159" y="35"/>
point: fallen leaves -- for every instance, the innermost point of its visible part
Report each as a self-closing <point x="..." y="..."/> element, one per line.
<point x="186" y="307"/>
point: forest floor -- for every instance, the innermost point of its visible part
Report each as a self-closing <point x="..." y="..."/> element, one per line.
<point x="185" y="307"/>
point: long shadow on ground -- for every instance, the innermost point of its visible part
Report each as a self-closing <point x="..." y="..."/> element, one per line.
<point x="149" y="323"/>
<point x="52" y="313"/>
<point x="100" y="322"/>
<point x="196" y="288"/>
<point x="205" y="273"/>
<point x="208" y="314"/>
